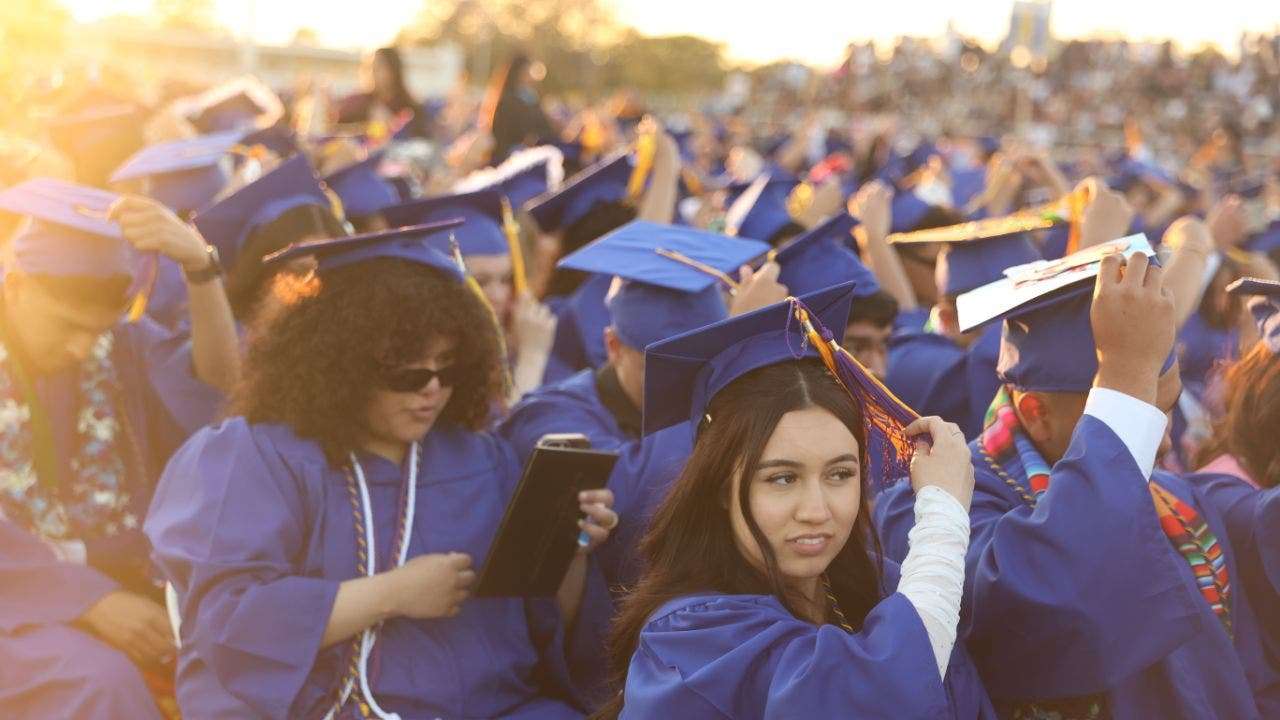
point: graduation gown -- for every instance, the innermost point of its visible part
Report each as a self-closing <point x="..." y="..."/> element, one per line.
<point x="1085" y="595"/>
<point x="746" y="656"/>
<point x="591" y="403"/>
<point x="938" y="377"/>
<point x="47" y="667"/>
<point x="256" y="530"/>
<point x="1250" y="519"/>
<point x="580" y="322"/>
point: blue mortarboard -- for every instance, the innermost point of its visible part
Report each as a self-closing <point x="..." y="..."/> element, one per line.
<point x="1264" y="305"/>
<point x="966" y="184"/>
<point x="683" y="373"/>
<point x="605" y="181"/>
<point x="228" y="224"/>
<point x="821" y="258"/>
<point x="1046" y="343"/>
<point x="415" y="243"/>
<point x="662" y="293"/>
<point x="1127" y="171"/>
<point x="641" y="250"/>
<point x="183" y="174"/>
<point x="920" y="155"/>
<point x="70" y="234"/>
<point x="361" y="189"/>
<point x="99" y="137"/>
<point x="524" y="175"/>
<point x="234" y="105"/>
<point x="908" y="210"/>
<point x="572" y="151"/>
<point x="482" y="211"/>
<point x="279" y="139"/>
<point x="760" y="211"/>
<point x="978" y="252"/>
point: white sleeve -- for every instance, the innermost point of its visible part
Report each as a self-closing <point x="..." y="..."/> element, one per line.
<point x="1138" y="425"/>
<point x="933" y="571"/>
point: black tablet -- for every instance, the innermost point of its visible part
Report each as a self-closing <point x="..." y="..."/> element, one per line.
<point x="539" y="532"/>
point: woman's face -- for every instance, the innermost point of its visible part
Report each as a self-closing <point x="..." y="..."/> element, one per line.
<point x="804" y="494"/>
<point x="493" y="273"/>
<point x="402" y="416"/>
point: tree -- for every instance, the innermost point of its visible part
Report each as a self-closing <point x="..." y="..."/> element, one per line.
<point x="195" y="15"/>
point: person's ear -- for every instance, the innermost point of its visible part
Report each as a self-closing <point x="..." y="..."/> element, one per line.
<point x="1034" y="413"/>
<point x="612" y="345"/>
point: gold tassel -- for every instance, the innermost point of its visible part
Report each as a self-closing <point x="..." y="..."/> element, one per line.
<point x="646" y="148"/>
<point x="519" y="281"/>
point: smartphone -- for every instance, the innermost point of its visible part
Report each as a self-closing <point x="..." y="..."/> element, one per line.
<point x="573" y="441"/>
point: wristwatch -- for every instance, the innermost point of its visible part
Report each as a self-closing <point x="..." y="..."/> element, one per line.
<point x="211" y="271"/>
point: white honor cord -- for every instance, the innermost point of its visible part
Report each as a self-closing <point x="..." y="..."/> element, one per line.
<point x="370" y="634"/>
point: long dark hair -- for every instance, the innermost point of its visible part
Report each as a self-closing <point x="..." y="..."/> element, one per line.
<point x="502" y="84"/>
<point x="690" y="547"/>
<point x="396" y="96"/>
<point x="312" y="360"/>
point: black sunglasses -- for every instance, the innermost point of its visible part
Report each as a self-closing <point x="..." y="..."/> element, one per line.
<point x="416" y="379"/>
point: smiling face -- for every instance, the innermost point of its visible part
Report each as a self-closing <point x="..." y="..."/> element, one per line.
<point x="395" y="418"/>
<point x="804" y="495"/>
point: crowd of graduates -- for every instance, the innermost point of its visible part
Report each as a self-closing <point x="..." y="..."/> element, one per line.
<point x="952" y="390"/>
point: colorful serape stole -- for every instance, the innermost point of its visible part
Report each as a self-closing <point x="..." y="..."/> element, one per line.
<point x="1003" y="437"/>
<point x="1191" y="535"/>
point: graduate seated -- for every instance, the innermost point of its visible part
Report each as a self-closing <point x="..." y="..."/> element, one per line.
<point x="91" y="416"/>
<point x="490" y="246"/>
<point x="1240" y="472"/>
<point x="665" y="280"/>
<point x="323" y="540"/>
<point x="1095" y="586"/>
<point x="764" y="593"/>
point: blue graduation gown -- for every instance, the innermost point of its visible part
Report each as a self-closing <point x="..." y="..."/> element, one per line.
<point x="171" y="365"/>
<point x="256" y="531"/>
<point x="938" y="377"/>
<point x="646" y="466"/>
<point x="1200" y="347"/>
<point x="47" y="667"/>
<point x="1085" y="595"/>
<point x="746" y="656"/>
<point x="580" y="322"/>
<point x="1251" y="520"/>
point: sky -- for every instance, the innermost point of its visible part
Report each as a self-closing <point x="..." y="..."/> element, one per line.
<point x="756" y="31"/>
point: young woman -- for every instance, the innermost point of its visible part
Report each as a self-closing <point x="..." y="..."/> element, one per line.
<point x="322" y="541"/>
<point x="765" y="594"/>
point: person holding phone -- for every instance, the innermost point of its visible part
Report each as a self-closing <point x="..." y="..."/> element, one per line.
<point x="765" y="594"/>
<point x="321" y="540"/>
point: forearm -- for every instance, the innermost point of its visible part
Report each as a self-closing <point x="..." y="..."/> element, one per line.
<point x="360" y="603"/>
<point x="1184" y="276"/>
<point x="888" y="269"/>
<point x="215" y="345"/>
<point x="658" y="203"/>
<point x="569" y="596"/>
<point x="526" y="376"/>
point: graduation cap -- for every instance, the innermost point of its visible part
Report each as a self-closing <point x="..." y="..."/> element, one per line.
<point x="1264" y="305"/>
<point x="605" y="181"/>
<point x="227" y="224"/>
<point x="482" y="211"/>
<point x="684" y="373"/>
<point x="1046" y="343"/>
<point x="239" y="104"/>
<point x="821" y="258"/>
<point x="524" y="175"/>
<point x="361" y="189"/>
<point x="908" y="210"/>
<point x="183" y="174"/>
<point x="978" y="252"/>
<point x="415" y="244"/>
<point x="99" y="137"/>
<point x="761" y="210"/>
<point x="671" y="276"/>
<point x="70" y="236"/>
<point x="279" y="139"/>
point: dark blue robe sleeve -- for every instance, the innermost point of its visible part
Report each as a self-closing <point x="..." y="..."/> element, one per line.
<point x="229" y="526"/>
<point x="36" y="588"/>
<point x="167" y="357"/>
<point x="746" y="656"/>
<point x="1080" y="593"/>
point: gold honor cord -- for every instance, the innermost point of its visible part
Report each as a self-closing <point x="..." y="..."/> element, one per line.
<point x="510" y="228"/>
<point x="646" y="148"/>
